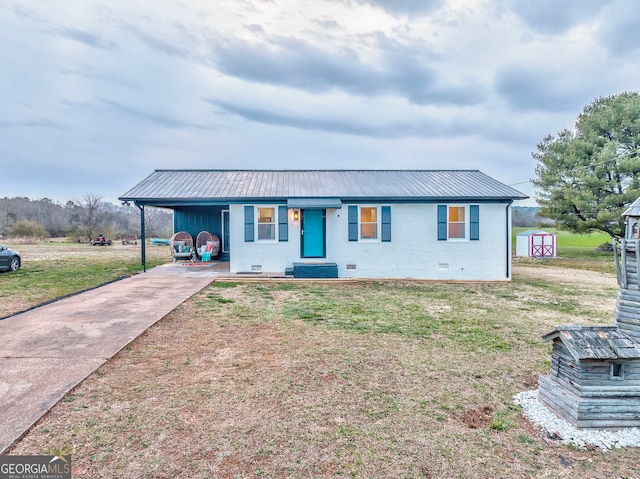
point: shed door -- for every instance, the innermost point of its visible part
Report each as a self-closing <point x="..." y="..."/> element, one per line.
<point x="312" y="234"/>
<point x="542" y="245"/>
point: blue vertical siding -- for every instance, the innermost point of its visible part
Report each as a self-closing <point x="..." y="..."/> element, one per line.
<point x="194" y="219"/>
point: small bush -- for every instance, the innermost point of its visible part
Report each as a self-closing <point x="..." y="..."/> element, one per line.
<point x="28" y="229"/>
<point x="605" y="247"/>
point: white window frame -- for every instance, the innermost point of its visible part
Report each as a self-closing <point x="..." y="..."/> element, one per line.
<point x="467" y="223"/>
<point x="274" y="223"/>
<point x="378" y="223"/>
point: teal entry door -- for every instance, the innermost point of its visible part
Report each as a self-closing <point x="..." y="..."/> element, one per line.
<point x="312" y="234"/>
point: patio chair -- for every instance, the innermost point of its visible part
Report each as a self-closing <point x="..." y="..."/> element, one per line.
<point x="207" y="246"/>
<point x="181" y="245"/>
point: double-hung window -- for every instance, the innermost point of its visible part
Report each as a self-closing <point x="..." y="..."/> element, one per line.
<point x="369" y="223"/>
<point x="458" y="222"/>
<point x="266" y="223"/>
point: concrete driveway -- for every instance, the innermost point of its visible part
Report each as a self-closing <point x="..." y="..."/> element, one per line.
<point x="47" y="351"/>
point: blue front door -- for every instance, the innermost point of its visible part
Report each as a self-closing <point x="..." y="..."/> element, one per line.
<point x="313" y="234"/>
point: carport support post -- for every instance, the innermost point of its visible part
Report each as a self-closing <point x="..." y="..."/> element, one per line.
<point x="142" y="238"/>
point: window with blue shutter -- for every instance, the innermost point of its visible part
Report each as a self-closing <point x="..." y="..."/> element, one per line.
<point x="353" y="223"/>
<point x="386" y="223"/>
<point x="283" y="223"/>
<point x="474" y="222"/>
<point x="442" y="222"/>
<point x="248" y="224"/>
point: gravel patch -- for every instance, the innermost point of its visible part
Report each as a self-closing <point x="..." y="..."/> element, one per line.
<point x="559" y="429"/>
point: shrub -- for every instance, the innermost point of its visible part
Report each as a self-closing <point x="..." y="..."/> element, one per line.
<point x="28" y="229"/>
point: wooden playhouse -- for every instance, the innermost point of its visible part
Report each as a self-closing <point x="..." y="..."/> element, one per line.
<point x="594" y="380"/>
<point x="595" y="377"/>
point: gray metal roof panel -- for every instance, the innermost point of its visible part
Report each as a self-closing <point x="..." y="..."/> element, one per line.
<point x="351" y="184"/>
<point x="316" y="203"/>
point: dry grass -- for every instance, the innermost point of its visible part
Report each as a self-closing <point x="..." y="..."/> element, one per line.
<point x="51" y="269"/>
<point x="313" y="380"/>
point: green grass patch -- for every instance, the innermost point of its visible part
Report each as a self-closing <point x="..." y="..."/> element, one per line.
<point x="567" y="239"/>
<point x="225" y="284"/>
<point x="416" y="311"/>
<point x="85" y="267"/>
<point x="576" y="251"/>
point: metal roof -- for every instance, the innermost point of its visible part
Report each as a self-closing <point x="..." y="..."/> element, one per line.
<point x="634" y="209"/>
<point x="595" y="342"/>
<point x="314" y="203"/>
<point x="179" y="186"/>
<point x="533" y="232"/>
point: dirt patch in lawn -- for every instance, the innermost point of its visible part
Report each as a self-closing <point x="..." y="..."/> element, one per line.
<point x="581" y="277"/>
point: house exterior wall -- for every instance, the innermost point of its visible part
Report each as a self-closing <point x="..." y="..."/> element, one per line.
<point x="194" y="219"/>
<point x="413" y="252"/>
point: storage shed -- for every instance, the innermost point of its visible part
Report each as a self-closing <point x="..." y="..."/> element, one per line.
<point x="536" y="244"/>
<point x="595" y="377"/>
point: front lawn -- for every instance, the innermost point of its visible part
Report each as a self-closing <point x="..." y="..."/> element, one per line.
<point x="51" y="269"/>
<point x="337" y="379"/>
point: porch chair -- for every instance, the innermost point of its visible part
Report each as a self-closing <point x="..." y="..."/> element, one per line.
<point x="181" y="245"/>
<point x="207" y="246"/>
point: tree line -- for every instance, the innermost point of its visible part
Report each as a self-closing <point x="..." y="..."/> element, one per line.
<point x="81" y="220"/>
<point x="529" y="216"/>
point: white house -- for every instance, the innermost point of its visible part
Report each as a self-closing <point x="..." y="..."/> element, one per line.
<point x="424" y="224"/>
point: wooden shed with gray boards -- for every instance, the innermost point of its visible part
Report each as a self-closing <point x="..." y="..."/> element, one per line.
<point x="595" y="377"/>
<point x="627" y="257"/>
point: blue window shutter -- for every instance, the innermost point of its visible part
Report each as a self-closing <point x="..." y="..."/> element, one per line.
<point x="248" y="224"/>
<point x="353" y="223"/>
<point x="474" y="222"/>
<point x="386" y="223"/>
<point x="283" y="223"/>
<point x="442" y="222"/>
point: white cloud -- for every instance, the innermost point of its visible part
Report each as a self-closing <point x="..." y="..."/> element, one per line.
<point x="96" y="95"/>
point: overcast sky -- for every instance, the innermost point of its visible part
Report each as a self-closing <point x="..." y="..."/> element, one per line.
<point x="95" y="95"/>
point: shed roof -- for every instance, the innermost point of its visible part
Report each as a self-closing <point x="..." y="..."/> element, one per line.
<point x="533" y="232"/>
<point x="227" y="185"/>
<point x="595" y="342"/>
<point x="634" y="209"/>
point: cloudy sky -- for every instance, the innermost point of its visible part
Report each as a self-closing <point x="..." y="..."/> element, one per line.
<point x="96" y="94"/>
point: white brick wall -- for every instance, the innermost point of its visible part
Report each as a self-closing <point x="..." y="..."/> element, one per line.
<point x="414" y="251"/>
